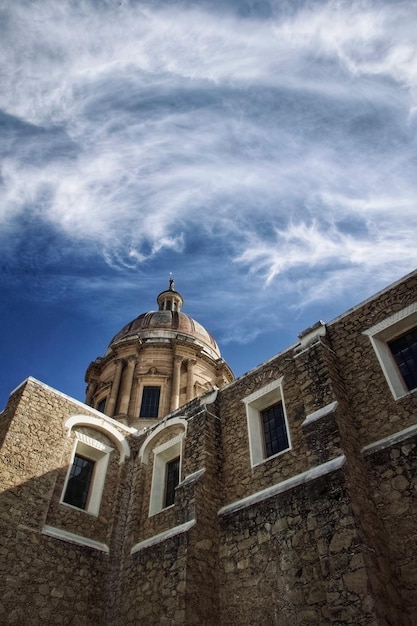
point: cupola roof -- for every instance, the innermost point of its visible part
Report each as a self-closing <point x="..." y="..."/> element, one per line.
<point x="167" y="323"/>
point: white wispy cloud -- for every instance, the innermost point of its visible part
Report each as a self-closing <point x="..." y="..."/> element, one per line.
<point x="284" y="143"/>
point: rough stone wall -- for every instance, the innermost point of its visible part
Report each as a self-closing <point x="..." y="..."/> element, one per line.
<point x="294" y="559"/>
<point x="180" y="571"/>
<point x="202" y="556"/>
<point x="307" y="538"/>
<point x="393" y="486"/>
<point x="44" y="580"/>
<point x="240" y="479"/>
<point x="342" y="367"/>
<point x="154" y="583"/>
<point x="39" y="571"/>
<point x="7" y="414"/>
<point x="323" y="378"/>
<point x="327" y="536"/>
<point x="368" y="412"/>
<point x="377" y="413"/>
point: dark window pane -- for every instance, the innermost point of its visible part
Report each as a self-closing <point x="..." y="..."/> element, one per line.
<point x="275" y="431"/>
<point x="172" y="480"/>
<point x="404" y="351"/>
<point x="102" y="405"/>
<point x="150" y="402"/>
<point x="79" y="482"/>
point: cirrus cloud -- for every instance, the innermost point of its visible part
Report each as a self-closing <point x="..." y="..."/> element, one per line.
<point x="275" y="141"/>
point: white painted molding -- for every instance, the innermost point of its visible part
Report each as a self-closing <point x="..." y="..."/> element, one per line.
<point x="161" y="537"/>
<point x="102" y="425"/>
<point x="308" y="336"/>
<point x="100" y="454"/>
<point x="383" y="332"/>
<point x="92" y="443"/>
<point x="146" y="446"/>
<point x="191" y="478"/>
<point x="168" y="444"/>
<point x="393" y="319"/>
<point x="167" y="452"/>
<point x="316" y="415"/>
<point x="263" y="391"/>
<point x="208" y="397"/>
<point x="285" y="485"/>
<point x="391" y="440"/>
<point x="64" y="535"/>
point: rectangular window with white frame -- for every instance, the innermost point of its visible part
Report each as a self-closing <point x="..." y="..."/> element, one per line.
<point x="79" y="482"/>
<point x="267" y="422"/>
<point x="86" y="475"/>
<point x="404" y="351"/>
<point x="166" y="474"/>
<point x="395" y="343"/>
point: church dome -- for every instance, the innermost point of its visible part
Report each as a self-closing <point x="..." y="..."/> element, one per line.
<point x="158" y="362"/>
<point x="165" y="324"/>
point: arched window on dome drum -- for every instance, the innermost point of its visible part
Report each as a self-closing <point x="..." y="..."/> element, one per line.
<point x="150" y="401"/>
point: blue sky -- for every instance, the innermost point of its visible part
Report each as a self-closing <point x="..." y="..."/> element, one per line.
<point x="264" y="152"/>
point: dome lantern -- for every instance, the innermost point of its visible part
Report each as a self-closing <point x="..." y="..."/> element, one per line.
<point x="170" y="300"/>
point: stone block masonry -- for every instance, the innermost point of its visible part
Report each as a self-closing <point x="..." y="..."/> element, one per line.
<point x="323" y="531"/>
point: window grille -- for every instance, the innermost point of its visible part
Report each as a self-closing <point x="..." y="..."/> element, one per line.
<point x="172" y="480"/>
<point x="404" y="351"/>
<point x="275" y="431"/>
<point x="79" y="482"/>
<point x="150" y="402"/>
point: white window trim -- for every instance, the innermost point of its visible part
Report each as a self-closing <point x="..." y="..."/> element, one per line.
<point x="98" y="452"/>
<point x="154" y="435"/>
<point x="255" y="403"/>
<point x="64" y="535"/>
<point x="385" y="331"/>
<point x="163" y="454"/>
<point x="107" y="425"/>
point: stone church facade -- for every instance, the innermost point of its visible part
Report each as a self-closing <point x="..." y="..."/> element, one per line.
<point x="179" y="495"/>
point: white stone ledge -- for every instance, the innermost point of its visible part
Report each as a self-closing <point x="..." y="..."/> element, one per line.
<point x="191" y="478"/>
<point x="161" y="537"/>
<point x="316" y="415"/>
<point x="285" y="485"/>
<point x="64" y="535"/>
<point x="387" y="442"/>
